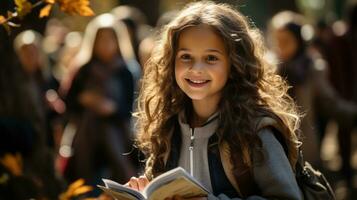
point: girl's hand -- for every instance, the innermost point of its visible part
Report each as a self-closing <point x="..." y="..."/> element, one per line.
<point x="176" y="197"/>
<point x="137" y="183"/>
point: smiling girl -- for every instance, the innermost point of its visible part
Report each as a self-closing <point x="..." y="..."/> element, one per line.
<point x="211" y="103"/>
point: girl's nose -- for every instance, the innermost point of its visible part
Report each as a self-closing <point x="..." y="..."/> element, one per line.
<point x="197" y="66"/>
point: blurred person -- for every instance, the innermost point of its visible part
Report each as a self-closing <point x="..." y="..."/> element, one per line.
<point x="342" y="58"/>
<point x="24" y="110"/>
<point x="61" y="70"/>
<point x="99" y="102"/>
<point x="306" y="73"/>
<point x="136" y="23"/>
<point x="40" y="81"/>
<point x="54" y="39"/>
<point x="72" y="45"/>
<point x="53" y="44"/>
<point x="338" y="45"/>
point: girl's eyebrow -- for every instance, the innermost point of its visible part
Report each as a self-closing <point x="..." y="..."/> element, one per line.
<point x="215" y="50"/>
<point x="183" y="49"/>
<point x="208" y="50"/>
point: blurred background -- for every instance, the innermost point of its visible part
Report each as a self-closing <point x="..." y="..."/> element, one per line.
<point x="68" y="86"/>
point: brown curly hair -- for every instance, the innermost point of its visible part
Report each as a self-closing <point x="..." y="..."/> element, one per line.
<point x="253" y="89"/>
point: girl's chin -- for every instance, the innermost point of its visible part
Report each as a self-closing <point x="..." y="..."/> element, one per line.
<point x="196" y="97"/>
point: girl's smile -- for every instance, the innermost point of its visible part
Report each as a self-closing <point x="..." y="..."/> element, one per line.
<point x="197" y="82"/>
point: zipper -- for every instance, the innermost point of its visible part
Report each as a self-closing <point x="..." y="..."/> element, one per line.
<point x="192" y="143"/>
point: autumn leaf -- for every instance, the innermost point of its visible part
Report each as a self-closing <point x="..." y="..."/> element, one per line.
<point x="13" y="163"/>
<point x="78" y="183"/>
<point x="2" y="19"/>
<point x="23" y="7"/>
<point x="7" y="28"/>
<point x="80" y="7"/>
<point x="82" y="190"/>
<point x="45" y="11"/>
<point x="75" y="189"/>
<point x="86" y="11"/>
<point x="3" y="22"/>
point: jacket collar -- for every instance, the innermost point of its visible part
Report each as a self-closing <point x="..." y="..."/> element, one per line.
<point x="204" y="131"/>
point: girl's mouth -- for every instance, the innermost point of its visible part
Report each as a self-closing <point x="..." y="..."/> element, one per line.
<point x="197" y="83"/>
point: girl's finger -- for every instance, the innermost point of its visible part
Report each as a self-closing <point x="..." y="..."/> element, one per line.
<point x="146" y="180"/>
<point x="133" y="183"/>
<point x="142" y="182"/>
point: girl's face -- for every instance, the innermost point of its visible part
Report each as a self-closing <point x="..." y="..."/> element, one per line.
<point x="201" y="63"/>
<point x="286" y="44"/>
<point x="106" y="45"/>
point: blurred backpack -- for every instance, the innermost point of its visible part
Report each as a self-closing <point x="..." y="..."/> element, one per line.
<point x="312" y="182"/>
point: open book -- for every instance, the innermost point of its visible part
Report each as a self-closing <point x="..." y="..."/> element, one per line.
<point x="174" y="182"/>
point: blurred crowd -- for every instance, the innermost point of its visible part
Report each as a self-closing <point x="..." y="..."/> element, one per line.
<point x="66" y="103"/>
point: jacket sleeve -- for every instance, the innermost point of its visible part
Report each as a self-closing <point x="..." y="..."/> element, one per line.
<point x="273" y="175"/>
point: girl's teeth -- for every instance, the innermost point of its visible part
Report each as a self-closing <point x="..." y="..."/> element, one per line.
<point x="194" y="81"/>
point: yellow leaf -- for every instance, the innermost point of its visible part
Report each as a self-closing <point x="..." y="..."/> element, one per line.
<point x="78" y="183"/>
<point x="82" y="190"/>
<point x="50" y="1"/>
<point x="75" y="189"/>
<point x="2" y="19"/>
<point x="7" y="28"/>
<point x="18" y="2"/>
<point x="86" y="11"/>
<point x="63" y="196"/>
<point x="12" y="162"/>
<point x="46" y="11"/>
<point x="80" y="7"/>
<point x="3" y="23"/>
<point x="23" y="7"/>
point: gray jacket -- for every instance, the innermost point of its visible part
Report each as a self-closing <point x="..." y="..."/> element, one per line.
<point x="274" y="176"/>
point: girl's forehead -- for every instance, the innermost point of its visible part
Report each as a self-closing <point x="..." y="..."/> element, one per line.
<point x="202" y="31"/>
<point x="203" y="36"/>
<point x="199" y="27"/>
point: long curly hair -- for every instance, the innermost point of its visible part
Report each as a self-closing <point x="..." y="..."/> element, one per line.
<point x="253" y="89"/>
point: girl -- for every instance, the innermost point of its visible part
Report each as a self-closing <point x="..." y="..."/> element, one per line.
<point x="211" y="103"/>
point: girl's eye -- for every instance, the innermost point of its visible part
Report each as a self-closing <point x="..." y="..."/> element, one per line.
<point x="185" y="57"/>
<point x="212" y="58"/>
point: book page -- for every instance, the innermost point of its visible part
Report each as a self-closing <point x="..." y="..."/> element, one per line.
<point x="167" y="177"/>
<point x="174" y="182"/>
<point x="181" y="186"/>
